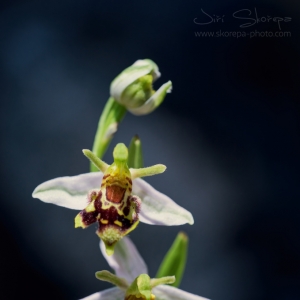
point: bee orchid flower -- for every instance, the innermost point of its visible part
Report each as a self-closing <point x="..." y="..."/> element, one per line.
<point x="131" y="279"/>
<point x="121" y="202"/>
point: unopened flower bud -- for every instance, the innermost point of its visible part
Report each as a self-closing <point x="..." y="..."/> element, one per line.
<point x="133" y="88"/>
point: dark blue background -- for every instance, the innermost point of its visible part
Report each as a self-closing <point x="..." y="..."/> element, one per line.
<point x="228" y="133"/>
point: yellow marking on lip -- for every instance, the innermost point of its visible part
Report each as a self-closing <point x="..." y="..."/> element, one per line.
<point x="90" y="207"/>
<point x="118" y="223"/>
<point x="104" y="221"/>
<point x="78" y="221"/>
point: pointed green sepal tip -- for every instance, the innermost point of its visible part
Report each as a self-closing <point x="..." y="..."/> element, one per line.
<point x="96" y="161"/>
<point x="163" y="280"/>
<point x="149" y="171"/>
<point x="120" y="153"/>
<point x="112" y="278"/>
<point x="140" y="289"/>
<point x="175" y="260"/>
<point x="135" y="157"/>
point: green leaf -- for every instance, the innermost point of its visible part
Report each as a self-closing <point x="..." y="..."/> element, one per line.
<point x="111" y="116"/>
<point x="135" y="158"/>
<point x="175" y="259"/>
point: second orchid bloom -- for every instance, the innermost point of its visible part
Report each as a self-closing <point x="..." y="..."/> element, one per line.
<point x="122" y="201"/>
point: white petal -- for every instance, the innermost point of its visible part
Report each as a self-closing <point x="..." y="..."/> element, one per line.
<point x="110" y="294"/>
<point x="154" y="101"/>
<point x="70" y="192"/>
<point x="157" y="208"/>
<point x="155" y="72"/>
<point x="126" y="260"/>
<point x="167" y="292"/>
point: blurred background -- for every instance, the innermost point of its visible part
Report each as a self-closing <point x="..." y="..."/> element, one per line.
<point x="228" y="133"/>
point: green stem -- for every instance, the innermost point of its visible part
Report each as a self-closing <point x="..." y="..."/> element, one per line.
<point x="112" y="115"/>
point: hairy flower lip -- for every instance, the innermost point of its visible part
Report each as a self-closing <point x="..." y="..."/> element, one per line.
<point x="71" y="192"/>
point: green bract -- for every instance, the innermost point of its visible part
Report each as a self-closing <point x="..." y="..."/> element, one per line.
<point x="175" y="260"/>
<point x="135" y="157"/>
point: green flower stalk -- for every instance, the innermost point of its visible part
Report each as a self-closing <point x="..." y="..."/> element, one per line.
<point x="131" y="90"/>
<point x="113" y="113"/>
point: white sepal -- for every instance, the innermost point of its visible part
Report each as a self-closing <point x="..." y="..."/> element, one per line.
<point x="157" y="208"/>
<point x="126" y="260"/>
<point x="167" y="292"/>
<point x="70" y="192"/>
<point x="109" y="294"/>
